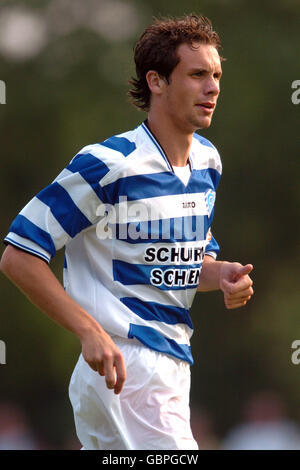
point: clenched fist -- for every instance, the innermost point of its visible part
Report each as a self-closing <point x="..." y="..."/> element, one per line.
<point x="236" y="284"/>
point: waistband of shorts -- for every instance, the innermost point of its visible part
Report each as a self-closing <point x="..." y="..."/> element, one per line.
<point x="121" y="341"/>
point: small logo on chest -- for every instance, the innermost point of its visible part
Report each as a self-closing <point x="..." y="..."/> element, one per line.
<point x="210" y="197"/>
<point x="188" y="205"/>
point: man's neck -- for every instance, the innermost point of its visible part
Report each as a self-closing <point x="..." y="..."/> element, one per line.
<point x="175" y="143"/>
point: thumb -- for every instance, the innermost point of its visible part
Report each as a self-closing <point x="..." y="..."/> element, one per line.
<point x="245" y="270"/>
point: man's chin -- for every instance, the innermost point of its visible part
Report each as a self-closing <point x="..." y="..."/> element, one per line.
<point x="203" y="123"/>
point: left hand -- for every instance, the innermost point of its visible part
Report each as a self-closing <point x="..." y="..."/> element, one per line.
<point x="236" y="284"/>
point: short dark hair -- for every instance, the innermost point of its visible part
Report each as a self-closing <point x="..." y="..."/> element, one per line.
<point x="156" y="50"/>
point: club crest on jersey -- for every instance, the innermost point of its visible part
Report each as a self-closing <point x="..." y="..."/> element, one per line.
<point x="210" y="197"/>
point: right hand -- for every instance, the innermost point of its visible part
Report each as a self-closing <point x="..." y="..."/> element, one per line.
<point x="34" y="278"/>
<point x="103" y="356"/>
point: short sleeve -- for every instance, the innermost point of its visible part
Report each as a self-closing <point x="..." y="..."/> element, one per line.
<point x="212" y="247"/>
<point x="61" y="210"/>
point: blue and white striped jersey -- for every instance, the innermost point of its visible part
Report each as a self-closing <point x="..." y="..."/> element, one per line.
<point x="134" y="235"/>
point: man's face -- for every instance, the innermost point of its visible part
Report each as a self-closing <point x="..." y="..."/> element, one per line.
<point x="194" y="87"/>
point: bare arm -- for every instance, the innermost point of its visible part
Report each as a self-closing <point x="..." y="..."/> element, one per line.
<point x="231" y="278"/>
<point x="210" y="275"/>
<point x="35" y="279"/>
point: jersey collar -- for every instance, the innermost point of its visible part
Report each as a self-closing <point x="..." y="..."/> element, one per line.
<point x="159" y="147"/>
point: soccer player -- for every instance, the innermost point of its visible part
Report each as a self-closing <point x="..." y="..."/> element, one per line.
<point x="134" y="215"/>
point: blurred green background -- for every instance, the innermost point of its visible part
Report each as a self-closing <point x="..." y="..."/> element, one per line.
<point x="66" y="64"/>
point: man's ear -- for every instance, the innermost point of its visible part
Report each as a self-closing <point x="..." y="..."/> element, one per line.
<point x="156" y="83"/>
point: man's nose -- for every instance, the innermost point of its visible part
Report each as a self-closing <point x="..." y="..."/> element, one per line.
<point x="212" y="86"/>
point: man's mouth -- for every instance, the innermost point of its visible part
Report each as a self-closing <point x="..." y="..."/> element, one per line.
<point x="207" y="106"/>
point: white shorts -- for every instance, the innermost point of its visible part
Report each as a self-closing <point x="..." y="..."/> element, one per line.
<point x="152" y="411"/>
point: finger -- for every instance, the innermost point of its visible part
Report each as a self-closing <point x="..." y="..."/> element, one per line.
<point x="109" y="371"/>
<point x="237" y="301"/>
<point x="93" y="365"/>
<point x="121" y="374"/>
<point x="232" y="288"/>
<point x="245" y="270"/>
<point x="242" y="283"/>
<point x="236" y="305"/>
<point x="100" y="369"/>
<point x="240" y="294"/>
